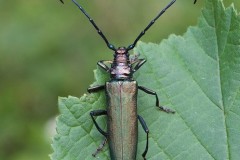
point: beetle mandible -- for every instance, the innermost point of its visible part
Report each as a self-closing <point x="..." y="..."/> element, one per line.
<point x="121" y="95"/>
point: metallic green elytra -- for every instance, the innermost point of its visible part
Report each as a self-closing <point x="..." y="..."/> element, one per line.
<point x="122" y="119"/>
<point x="121" y="94"/>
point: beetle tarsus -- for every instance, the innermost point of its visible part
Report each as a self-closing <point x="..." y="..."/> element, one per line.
<point x="167" y="110"/>
<point x="100" y="148"/>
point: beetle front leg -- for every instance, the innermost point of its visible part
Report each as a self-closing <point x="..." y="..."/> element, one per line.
<point x="148" y="91"/>
<point x="139" y="64"/>
<point x="103" y="65"/>
<point x="145" y="128"/>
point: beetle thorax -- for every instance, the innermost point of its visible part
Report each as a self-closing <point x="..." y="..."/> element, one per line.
<point x="121" y="68"/>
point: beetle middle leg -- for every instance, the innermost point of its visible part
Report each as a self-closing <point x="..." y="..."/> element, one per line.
<point x="97" y="112"/>
<point x="145" y="128"/>
<point x="148" y="91"/>
<point x="96" y="88"/>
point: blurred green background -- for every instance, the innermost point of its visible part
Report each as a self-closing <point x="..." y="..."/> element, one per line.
<point x="48" y="50"/>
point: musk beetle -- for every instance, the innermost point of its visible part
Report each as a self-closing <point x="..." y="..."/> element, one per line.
<point x="121" y="94"/>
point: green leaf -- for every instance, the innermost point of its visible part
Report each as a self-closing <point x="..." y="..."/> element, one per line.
<point x="197" y="75"/>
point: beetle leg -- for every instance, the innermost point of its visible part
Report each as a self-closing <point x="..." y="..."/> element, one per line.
<point x="100" y="147"/>
<point x="134" y="58"/>
<point x="139" y="64"/>
<point x="148" y="91"/>
<point x="98" y="113"/>
<point x="96" y="88"/>
<point x="103" y="65"/>
<point x="145" y="128"/>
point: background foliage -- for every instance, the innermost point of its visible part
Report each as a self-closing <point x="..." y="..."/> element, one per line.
<point x="49" y="50"/>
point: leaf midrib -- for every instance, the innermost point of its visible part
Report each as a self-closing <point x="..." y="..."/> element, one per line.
<point x="216" y="24"/>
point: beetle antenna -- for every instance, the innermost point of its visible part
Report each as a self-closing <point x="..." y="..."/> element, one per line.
<point x="110" y="46"/>
<point x="149" y="25"/>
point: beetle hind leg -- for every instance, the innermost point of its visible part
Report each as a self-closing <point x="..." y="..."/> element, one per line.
<point x="100" y="148"/>
<point x="98" y="113"/>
